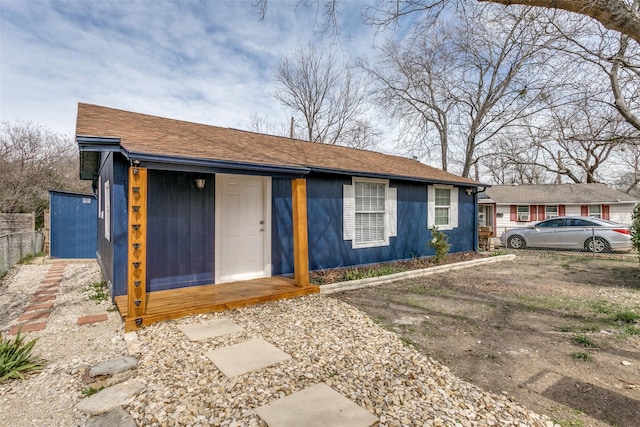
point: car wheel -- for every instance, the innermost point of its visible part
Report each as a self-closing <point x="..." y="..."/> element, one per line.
<point x="597" y="245"/>
<point x="516" y="242"/>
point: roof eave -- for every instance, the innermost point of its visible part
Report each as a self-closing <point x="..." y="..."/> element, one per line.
<point x="191" y="164"/>
<point x="395" y="177"/>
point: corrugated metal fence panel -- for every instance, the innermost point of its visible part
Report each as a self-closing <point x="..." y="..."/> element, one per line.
<point x="74" y="222"/>
<point x="16" y="246"/>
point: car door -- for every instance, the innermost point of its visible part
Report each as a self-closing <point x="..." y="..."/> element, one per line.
<point x="545" y="234"/>
<point x="575" y="233"/>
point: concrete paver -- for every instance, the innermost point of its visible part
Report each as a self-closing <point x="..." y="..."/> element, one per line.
<point x="248" y="356"/>
<point x="210" y="329"/>
<point x="316" y="406"/>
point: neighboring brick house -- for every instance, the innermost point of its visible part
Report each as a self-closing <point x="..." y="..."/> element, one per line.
<point x="509" y="206"/>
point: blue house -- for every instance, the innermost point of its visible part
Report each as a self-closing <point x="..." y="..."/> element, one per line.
<point x="190" y="212"/>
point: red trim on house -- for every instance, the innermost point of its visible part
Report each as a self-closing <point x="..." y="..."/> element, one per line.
<point x="542" y="212"/>
<point x="562" y="210"/>
<point x="514" y="213"/>
<point x="533" y="213"/>
<point x="584" y="210"/>
<point x="605" y="211"/>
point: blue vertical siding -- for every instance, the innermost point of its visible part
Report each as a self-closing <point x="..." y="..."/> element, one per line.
<point x="327" y="249"/>
<point x="112" y="254"/>
<point x="281" y="227"/>
<point x="180" y="239"/>
<point x="73" y="225"/>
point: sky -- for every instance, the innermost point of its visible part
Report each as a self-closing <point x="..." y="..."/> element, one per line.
<point x="205" y="61"/>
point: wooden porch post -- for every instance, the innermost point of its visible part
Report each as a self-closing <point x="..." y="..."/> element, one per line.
<point x="137" y="232"/>
<point x="300" y="238"/>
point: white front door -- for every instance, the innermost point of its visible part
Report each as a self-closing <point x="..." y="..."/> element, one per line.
<point x="242" y="227"/>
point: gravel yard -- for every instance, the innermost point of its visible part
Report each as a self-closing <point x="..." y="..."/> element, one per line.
<point x="329" y="342"/>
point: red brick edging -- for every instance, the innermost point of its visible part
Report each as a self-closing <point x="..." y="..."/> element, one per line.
<point x="41" y="303"/>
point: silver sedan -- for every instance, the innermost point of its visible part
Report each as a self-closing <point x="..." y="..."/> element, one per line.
<point x="591" y="234"/>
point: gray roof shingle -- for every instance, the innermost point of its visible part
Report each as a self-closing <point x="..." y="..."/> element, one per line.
<point x="556" y="193"/>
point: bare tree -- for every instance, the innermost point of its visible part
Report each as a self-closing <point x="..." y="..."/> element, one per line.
<point x="621" y="16"/>
<point x="261" y="124"/>
<point x="330" y="99"/>
<point x="628" y="157"/>
<point x="470" y="80"/>
<point x="34" y="160"/>
<point x="575" y="141"/>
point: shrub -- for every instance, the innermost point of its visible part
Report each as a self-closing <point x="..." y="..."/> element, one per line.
<point x="16" y="358"/>
<point x="440" y="244"/>
<point x="635" y="229"/>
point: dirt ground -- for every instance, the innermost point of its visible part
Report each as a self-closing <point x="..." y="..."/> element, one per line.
<point x="559" y="333"/>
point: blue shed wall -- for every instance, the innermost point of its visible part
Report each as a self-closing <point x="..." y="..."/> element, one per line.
<point x="73" y="225"/>
<point x="180" y="238"/>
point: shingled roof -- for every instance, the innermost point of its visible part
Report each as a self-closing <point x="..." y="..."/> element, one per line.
<point x="167" y="138"/>
<point x="557" y="193"/>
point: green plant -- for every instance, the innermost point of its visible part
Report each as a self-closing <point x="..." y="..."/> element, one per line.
<point x="440" y="244"/>
<point x="98" y="292"/>
<point x="581" y="355"/>
<point x="90" y="391"/>
<point x="629" y="331"/>
<point x="16" y="358"/>
<point x="626" y="316"/>
<point x="635" y="229"/>
<point x="584" y="341"/>
<point x="498" y="252"/>
<point x="26" y="259"/>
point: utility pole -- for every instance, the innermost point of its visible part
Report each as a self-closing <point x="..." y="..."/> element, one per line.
<point x="291" y="129"/>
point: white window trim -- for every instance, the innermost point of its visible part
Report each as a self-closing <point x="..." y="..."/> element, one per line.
<point x="349" y="213"/>
<point x="107" y="210"/>
<point x="594" y="215"/>
<point x="453" y="207"/>
<point x="548" y="215"/>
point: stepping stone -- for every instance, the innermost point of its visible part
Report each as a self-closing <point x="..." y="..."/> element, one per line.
<point x="110" y="398"/>
<point x="117" y="417"/>
<point x="316" y="406"/>
<point x="39" y="306"/>
<point x="132" y="343"/>
<point x="93" y="318"/>
<point x="113" y="366"/>
<point x="211" y="329"/>
<point x="34" y="316"/>
<point x="246" y="357"/>
<point x="27" y="327"/>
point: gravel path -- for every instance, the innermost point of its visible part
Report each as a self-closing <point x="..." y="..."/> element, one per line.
<point x="328" y="340"/>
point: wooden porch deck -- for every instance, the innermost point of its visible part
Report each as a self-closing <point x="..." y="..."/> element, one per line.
<point x="175" y="303"/>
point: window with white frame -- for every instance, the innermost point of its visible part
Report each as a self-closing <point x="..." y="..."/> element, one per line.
<point x="523" y="213"/>
<point x="595" y="211"/>
<point x="442" y="204"/>
<point x="369" y="212"/>
<point x="550" y="211"/>
<point x="442" y="207"/>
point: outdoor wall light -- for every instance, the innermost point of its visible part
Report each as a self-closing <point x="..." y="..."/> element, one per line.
<point x="200" y="183"/>
<point x="136" y="171"/>
<point x="469" y="191"/>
